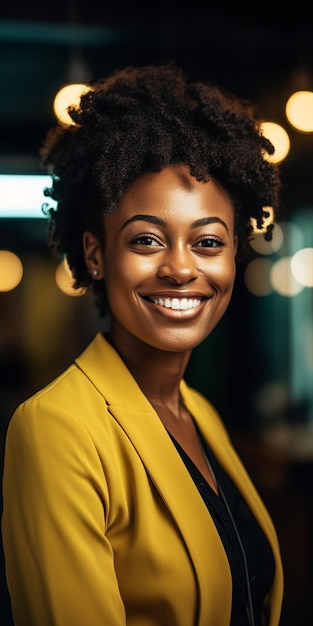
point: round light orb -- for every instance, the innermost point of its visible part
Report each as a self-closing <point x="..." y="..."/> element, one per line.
<point x="11" y="270"/>
<point x="64" y="280"/>
<point x="302" y="266"/>
<point x="267" y="220"/>
<point x="279" y="137"/>
<point x="69" y="95"/>
<point x="299" y="111"/>
<point x="257" y="277"/>
<point x="282" y="278"/>
<point x="260" y="245"/>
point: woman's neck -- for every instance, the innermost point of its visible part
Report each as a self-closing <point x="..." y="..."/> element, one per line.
<point x="158" y="373"/>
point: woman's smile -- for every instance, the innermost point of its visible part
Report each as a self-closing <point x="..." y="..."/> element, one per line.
<point x="178" y="304"/>
<point x="179" y="307"/>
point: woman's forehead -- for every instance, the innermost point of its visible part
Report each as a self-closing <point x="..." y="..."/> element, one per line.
<point x="172" y="194"/>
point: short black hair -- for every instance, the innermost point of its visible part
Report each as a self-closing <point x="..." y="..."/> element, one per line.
<point x="143" y="119"/>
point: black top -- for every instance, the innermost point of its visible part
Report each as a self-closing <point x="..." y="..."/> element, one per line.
<point x="232" y="517"/>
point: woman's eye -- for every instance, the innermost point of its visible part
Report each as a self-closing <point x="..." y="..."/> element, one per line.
<point x="145" y="240"/>
<point x="210" y="242"/>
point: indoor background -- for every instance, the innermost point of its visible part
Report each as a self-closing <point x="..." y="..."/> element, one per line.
<point x="257" y="366"/>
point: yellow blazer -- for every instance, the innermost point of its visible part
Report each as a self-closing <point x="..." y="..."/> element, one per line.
<point x="102" y="524"/>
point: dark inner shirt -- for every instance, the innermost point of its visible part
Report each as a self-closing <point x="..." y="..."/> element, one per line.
<point x="258" y="553"/>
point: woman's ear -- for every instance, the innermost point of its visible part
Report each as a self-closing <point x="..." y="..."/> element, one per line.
<point x="93" y="255"/>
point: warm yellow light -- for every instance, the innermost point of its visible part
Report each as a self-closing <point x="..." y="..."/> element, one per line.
<point x="260" y="245"/>
<point x="257" y="277"/>
<point x="64" y="280"/>
<point x="302" y="266"/>
<point x="299" y="111"/>
<point x="11" y="270"/>
<point x="282" y="278"/>
<point x="69" y="95"/>
<point x="279" y="137"/>
<point x="267" y="220"/>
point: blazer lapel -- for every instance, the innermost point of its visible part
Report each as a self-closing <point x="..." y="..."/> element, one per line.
<point x="218" y="438"/>
<point x="136" y="416"/>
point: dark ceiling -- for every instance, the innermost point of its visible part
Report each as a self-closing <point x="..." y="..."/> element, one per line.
<point x="259" y="53"/>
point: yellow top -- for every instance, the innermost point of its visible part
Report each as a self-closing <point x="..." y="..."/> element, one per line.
<point x="102" y="524"/>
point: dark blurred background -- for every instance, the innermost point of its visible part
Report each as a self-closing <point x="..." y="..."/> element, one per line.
<point x="257" y="366"/>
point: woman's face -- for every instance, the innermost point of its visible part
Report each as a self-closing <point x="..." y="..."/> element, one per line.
<point x="168" y="261"/>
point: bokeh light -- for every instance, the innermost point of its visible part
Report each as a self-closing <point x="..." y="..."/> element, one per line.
<point x="299" y="111"/>
<point x="267" y="220"/>
<point x="11" y="270"/>
<point x="69" y="95"/>
<point x="257" y="277"/>
<point x="302" y="266"/>
<point x="279" y="137"/>
<point x="283" y="279"/>
<point x="260" y="245"/>
<point x="64" y="280"/>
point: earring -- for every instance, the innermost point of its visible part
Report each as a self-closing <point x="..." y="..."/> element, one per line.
<point x="95" y="272"/>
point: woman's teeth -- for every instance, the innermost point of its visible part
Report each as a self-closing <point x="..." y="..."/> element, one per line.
<point x="178" y="304"/>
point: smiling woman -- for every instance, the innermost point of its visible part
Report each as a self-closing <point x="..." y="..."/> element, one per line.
<point x="144" y="511"/>
<point x="168" y="261"/>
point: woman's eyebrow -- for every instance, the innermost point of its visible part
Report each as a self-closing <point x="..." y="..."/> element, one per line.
<point x="209" y="220"/>
<point x="153" y="219"/>
<point x="144" y="218"/>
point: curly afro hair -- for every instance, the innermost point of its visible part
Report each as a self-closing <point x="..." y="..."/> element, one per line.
<point x="143" y="119"/>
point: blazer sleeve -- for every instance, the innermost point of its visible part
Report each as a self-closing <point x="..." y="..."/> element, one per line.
<point x="59" y="564"/>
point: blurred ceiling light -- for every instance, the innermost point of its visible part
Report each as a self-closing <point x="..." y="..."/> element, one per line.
<point x="23" y="195"/>
<point x="267" y="220"/>
<point x="69" y="95"/>
<point x="11" y="270"/>
<point x="282" y="278"/>
<point x="302" y="266"/>
<point x="64" y="280"/>
<point x="257" y="277"/>
<point x="260" y="245"/>
<point x="299" y="111"/>
<point x="279" y="137"/>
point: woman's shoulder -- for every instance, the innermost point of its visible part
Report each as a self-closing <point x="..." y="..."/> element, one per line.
<point x="67" y="387"/>
<point x="70" y="394"/>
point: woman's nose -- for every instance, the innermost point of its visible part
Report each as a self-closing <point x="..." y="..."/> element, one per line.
<point x="178" y="265"/>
